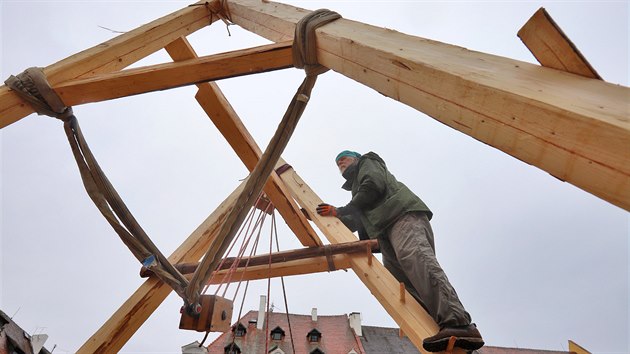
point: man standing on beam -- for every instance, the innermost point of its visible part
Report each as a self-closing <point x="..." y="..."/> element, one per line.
<point x="388" y="211"/>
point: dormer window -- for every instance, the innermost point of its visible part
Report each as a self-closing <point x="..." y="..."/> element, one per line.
<point x="314" y="336"/>
<point x="239" y="331"/>
<point x="232" y="349"/>
<point x="277" y="333"/>
<point x="317" y="351"/>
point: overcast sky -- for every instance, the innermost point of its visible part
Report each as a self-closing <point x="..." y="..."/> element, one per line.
<point x="535" y="261"/>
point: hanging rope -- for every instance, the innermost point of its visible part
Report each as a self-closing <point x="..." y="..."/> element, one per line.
<point x="304" y="54"/>
<point x="32" y="86"/>
<point x="284" y="290"/>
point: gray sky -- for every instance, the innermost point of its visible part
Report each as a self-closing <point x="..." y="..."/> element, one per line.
<point x="535" y="261"/>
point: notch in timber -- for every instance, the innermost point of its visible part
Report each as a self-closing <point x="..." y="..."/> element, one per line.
<point x="284" y="256"/>
<point x="263" y="203"/>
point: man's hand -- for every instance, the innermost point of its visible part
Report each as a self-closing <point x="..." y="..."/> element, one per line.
<point x="326" y="210"/>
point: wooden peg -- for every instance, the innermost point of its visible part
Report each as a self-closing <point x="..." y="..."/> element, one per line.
<point x="369" y="254"/>
<point x="402" y="292"/>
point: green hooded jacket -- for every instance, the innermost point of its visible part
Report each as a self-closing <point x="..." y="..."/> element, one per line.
<point x="378" y="199"/>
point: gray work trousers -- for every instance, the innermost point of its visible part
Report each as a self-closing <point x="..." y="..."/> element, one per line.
<point x="409" y="254"/>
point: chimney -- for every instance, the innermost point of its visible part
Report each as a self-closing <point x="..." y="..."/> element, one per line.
<point x="355" y="323"/>
<point x="314" y="314"/>
<point x="261" y="312"/>
<point x="37" y="342"/>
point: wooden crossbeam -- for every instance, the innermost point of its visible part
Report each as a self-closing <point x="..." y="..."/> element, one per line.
<point x="551" y="46"/>
<point x="129" y="82"/>
<point x="284" y="269"/>
<point x="114" y="54"/>
<point x="114" y="333"/>
<point x="226" y="120"/>
<point x="576" y="129"/>
<point x="280" y="257"/>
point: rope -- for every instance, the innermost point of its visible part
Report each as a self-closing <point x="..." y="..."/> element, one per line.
<point x="32" y="86"/>
<point x="284" y="291"/>
<point x="268" y="315"/>
<point x="304" y="56"/>
<point x="304" y="49"/>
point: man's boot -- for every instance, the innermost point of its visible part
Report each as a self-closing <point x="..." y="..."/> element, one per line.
<point x="466" y="337"/>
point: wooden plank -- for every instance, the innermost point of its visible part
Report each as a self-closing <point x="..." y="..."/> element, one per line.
<point x="229" y="124"/>
<point x="279" y="257"/>
<point x="576" y="348"/>
<point x="552" y="47"/>
<point x="114" y="333"/>
<point x="576" y="129"/>
<point x="114" y="54"/>
<point x="170" y="75"/>
<point x="409" y="315"/>
<point x="285" y="269"/>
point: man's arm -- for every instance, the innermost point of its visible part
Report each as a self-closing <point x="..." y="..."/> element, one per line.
<point x="372" y="183"/>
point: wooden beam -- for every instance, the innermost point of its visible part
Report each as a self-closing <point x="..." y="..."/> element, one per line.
<point x="114" y="333"/>
<point x="284" y="269"/>
<point x="576" y="348"/>
<point x="114" y="54"/>
<point x="576" y="129"/>
<point x="551" y="46"/>
<point x="165" y="76"/>
<point x="280" y="257"/>
<point x="229" y="124"/>
<point x="403" y="308"/>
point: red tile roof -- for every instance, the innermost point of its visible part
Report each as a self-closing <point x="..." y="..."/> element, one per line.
<point x="336" y="335"/>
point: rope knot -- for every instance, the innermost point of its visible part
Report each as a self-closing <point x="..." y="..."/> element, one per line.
<point x="32" y="86"/>
<point x="304" y="48"/>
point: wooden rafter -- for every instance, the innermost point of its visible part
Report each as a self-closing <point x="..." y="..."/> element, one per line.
<point x="551" y="46"/>
<point x="114" y="54"/>
<point x="129" y="82"/>
<point x="576" y="129"/>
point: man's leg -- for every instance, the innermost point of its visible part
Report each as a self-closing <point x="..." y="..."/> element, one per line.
<point x="391" y="264"/>
<point x="411" y="238"/>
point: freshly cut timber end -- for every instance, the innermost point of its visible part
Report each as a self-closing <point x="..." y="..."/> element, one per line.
<point x="215" y="316"/>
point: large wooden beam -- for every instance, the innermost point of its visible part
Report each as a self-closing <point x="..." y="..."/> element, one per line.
<point x="576" y="129"/>
<point x="552" y="47"/>
<point x="365" y="247"/>
<point x="114" y="54"/>
<point x="165" y="76"/>
<point x="114" y="333"/>
<point x="229" y="124"/>
<point x="284" y="269"/>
